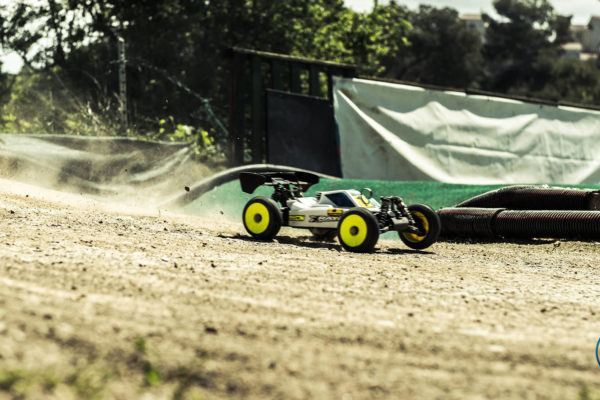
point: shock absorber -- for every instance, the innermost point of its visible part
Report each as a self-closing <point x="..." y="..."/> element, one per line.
<point x="383" y="217"/>
<point x="282" y="194"/>
<point x="403" y="210"/>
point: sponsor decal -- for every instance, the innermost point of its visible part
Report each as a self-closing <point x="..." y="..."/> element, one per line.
<point x="296" y="217"/>
<point x="362" y="201"/>
<point x="322" y="218"/>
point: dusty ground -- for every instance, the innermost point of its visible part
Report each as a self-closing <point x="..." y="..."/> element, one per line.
<point x="100" y="302"/>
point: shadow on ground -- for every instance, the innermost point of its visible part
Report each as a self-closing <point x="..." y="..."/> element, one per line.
<point x="311" y="242"/>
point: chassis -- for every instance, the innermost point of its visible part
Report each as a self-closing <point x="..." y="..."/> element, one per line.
<point x="356" y="218"/>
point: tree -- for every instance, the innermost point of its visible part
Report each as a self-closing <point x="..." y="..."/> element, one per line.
<point x="572" y="81"/>
<point x="4" y="86"/>
<point x="390" y="26"/>
<point x="176" y="64"/>
<point x="42" y="33"/>
<point x="522" y="45"/>
<point x="443" y="50"/>
<point x="175" y="47"/>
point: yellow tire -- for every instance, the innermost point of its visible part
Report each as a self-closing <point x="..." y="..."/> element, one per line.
<point x="358" y="231"/>
<point x="428" y="222"/>
<point x="262" y="218"/>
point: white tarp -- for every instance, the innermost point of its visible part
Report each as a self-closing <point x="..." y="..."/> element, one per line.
<point x="390" y="131"/>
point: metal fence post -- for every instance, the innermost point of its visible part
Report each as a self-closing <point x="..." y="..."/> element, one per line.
<point x="237" y="114"/>
<point x="295" y="85"/>
<point x="122" y="84"/>
<point x="313" y="81"/>
<point x="258" y="100"/>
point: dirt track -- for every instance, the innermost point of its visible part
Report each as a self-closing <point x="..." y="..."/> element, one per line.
<point x="97" y="302"/>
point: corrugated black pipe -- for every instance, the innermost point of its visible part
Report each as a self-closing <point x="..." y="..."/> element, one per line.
<point x="482" y="223"/>
<point x="558" y="224"/>
<point x="536" y="198"/>
<point x="468" y="222"/>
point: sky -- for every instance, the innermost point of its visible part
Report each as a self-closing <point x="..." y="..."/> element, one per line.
<point x="580" y="9"/>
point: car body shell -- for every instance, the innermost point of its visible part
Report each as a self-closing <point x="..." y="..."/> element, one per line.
<point x="326" y="208"/>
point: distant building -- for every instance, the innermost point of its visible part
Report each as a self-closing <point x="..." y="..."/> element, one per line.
<point x="585" y="40"/>
<point x="585" y="43"/>
<point x="476" y="22"/>
<point x="589" y="57"/>
<point x="577" y="33"/>
<point x="590" y="37"/>
<point x="572" y="50"/>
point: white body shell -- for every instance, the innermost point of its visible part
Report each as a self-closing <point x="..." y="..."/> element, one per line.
<point x="325" y="210"/>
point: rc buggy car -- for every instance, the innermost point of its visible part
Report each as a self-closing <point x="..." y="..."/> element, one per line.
<point x="356" y="218"/>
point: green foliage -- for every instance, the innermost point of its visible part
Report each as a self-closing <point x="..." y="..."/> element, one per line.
<point x="89" y="381"/>
<point x="585" y="393"/>
<point x="151" y="375"/>
<point x="571" y="81"/>
<point x="443" y="50"/>
<point x="140" y="345"/>
<point x="20" y="383"/>
<point x="8" y="379"/>
<point x="521" y="47"/>
<point x="205" y="146"/>
<point x="26" y="26"/>
<point x="48" y="102"/>
<point x="186" y="47"/>
<point x="150" y="371"/>
<point x="178" y="75"/>
<point x="335" y="33"/>
<point x="95" y="377"/>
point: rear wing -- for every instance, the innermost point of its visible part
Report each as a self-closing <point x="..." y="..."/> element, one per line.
<point x="303" y="180"/>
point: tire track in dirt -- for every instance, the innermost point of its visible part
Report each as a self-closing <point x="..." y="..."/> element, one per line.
<point x="91" y="290"/>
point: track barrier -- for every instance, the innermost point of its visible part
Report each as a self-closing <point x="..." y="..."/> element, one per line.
<point x="525" y="212"/>
<point x="537" y="198"/>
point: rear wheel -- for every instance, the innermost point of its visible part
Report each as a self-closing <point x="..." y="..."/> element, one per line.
<point x="262" y="218"/>
<point x="358" y="231"/>
<point x="428" y="222"/>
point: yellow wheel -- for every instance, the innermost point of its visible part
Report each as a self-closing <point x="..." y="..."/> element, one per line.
<point x="428" y="223"/>
<point x="358" y="230"/>
<point x="262" y="218"/>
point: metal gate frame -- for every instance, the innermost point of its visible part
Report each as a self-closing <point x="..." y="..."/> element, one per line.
<point x="248" y="145"/>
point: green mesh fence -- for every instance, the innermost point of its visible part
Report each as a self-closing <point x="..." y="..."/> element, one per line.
<point x="228" y="200"/>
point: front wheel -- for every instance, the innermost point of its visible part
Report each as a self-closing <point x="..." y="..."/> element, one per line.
<point x="428" y="222"/>
<point x="358" y="230"/>
<point x="262" y="218"/>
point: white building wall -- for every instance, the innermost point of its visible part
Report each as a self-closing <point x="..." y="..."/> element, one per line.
<point x="591" y="36"/>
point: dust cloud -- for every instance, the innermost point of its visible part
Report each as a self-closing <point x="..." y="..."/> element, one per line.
<point x="98" y="170"/>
